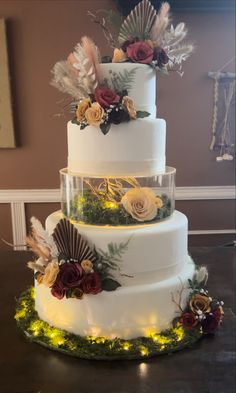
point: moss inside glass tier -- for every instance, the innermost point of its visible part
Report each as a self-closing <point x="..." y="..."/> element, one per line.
<point x="90" y="209"/>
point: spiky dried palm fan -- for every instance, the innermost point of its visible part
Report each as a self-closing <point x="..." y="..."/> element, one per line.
<point x="145" y="23"/>
<point x="70" y="243"/>
<point x="139" y="22"/>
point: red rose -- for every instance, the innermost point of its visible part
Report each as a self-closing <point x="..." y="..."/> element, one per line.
<point x="161" y="57"/>
<point x="128" y="42"/>
<point x="189" y="320"/>
<point x="106" y="97"/>
<point x="58" y="291"/>
<point x="218" y="313"/>
<point x="140" y="52"/>
<point x="210" y="324"/>
<point x="92" y="283"/>
<point x="70" y="275"/>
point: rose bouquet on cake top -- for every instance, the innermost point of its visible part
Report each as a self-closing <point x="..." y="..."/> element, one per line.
<point x="98" y="102"/>
<point x="146" y="36"/>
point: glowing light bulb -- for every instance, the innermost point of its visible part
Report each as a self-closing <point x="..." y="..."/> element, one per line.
<point x="100" y="340"/>
<point x="144" y="351"/>
<point x="110" y="205"/>
<point x="126" y="346"/>
<point x="179" y="332"/>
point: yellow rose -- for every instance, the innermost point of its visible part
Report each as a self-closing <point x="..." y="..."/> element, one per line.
<point x="140" y="203"/>
<point x="87" y="265"/>
<point x="81" y="109"/>
<point x="51" y="272"/>
<point x="94" y="114"/>
<point x="128" y="103"/>
<point x="150" y="43"/>
<point x="40" y="278"/>
<point x="200" y="303"/>
<point x="118" y="56"/>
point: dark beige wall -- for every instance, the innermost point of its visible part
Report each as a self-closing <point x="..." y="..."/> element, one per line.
<point x="43" y="32"/>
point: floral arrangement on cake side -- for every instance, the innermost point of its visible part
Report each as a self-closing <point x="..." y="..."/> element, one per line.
<point x="146" y="36"/>
<point x="68" y="265"/>
<point x="202" y="312"/>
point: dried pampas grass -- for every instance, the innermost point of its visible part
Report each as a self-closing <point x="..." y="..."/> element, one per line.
<point x="80" y="74"/>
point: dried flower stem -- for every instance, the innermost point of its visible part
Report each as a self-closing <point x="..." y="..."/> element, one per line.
<point x="180" y="293"/>
<point x="106" y="31"/>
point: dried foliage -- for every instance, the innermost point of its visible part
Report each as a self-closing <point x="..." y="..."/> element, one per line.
<point x="79" y="75"/>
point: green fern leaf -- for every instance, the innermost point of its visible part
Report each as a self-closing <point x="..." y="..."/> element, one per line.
<point x="123" y="80"/>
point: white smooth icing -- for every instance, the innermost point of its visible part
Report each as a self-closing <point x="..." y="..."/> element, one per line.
<point x="127" y="312"/>
<point x="155" y="252"/>
<point x="136" y="148"/>
<point x="143" y="90"/>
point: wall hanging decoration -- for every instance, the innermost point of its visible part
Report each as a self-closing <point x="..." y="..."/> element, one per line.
<point x="7" y="138"/>
<point x="222" y="138"/>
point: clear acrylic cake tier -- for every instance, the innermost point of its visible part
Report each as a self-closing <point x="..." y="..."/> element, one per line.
<point x="117" y="201"/>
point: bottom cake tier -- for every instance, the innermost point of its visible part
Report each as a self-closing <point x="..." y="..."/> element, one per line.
<point x="126" y="313"/>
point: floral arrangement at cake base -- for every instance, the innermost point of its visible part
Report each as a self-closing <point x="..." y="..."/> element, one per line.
<point x="201" y="317"/>
<point x="68" y="265"/>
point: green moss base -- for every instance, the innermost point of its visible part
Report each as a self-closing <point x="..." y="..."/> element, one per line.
<point x="99" y="348"/>
<point x="91" y="210"/>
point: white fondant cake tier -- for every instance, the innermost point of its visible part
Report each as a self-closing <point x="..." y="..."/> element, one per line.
<point x="155" y="252"/>
<point x="128" y="312"/>
<point x="143" y="83"/>
<point x="136" y="148"/>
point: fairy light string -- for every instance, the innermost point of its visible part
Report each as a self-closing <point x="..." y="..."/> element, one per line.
<point x="90" y="347"/>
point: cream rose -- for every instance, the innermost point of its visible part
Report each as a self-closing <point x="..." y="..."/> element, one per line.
<point x="94" y="114"/>
<point x="200" y="303"/>
<point x="51" y="272"/>
<point x="140" y="203"/>
<point x="81" y="109"/>
<point x="118" y="56"/>
<point x="159" y="202"/>
<point x="128" y="103"/>
<point x="87" y="265"/>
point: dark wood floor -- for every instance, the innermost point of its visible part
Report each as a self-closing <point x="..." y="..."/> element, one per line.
<point x="209" y="367"/>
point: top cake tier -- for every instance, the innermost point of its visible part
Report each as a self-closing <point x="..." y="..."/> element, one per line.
<point x="134" y="148"/>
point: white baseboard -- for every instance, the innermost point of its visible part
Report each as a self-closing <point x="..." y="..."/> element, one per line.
<point x="18" y="198"/>
<point x="182" y="193"/>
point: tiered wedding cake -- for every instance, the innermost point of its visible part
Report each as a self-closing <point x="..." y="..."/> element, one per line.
<point x="156" y="261"/>
<point x="113" y="263"/>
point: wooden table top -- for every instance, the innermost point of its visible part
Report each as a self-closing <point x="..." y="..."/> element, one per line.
<point x="207" y="368"/>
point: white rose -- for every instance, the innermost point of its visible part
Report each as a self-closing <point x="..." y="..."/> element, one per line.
<point x="140" y="203"/>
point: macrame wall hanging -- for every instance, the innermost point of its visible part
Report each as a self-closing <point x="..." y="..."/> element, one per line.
<point x="222" y="133"/>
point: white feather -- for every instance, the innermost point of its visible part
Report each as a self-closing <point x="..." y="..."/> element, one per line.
<point x="43" y="237"/>
<point x="161" y="22"/>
